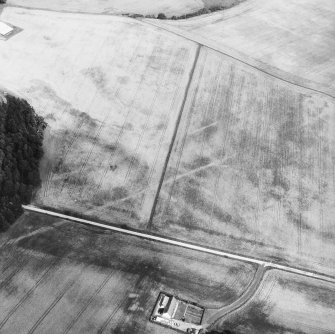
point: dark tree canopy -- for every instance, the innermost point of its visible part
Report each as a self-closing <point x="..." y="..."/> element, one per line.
<point x="161" y="16"/>
<point x="21" y="138"/>
<point x="226" y="331"/>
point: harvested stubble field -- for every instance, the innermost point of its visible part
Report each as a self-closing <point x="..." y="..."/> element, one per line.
<point x="58" y="277"/>
<point x="285" y="303"/>
<point x="111" y="90"/>
<point x="296" y="36"/>
<point x="252" y="167"/>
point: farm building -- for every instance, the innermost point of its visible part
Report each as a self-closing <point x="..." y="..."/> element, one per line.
<point x="5" y="29"/>
<point x="167" y="306"/>
<point x="178" y="314"/>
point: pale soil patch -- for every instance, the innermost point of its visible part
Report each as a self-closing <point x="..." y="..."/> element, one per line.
<point x="110" y="89"/>
<point x="252" y="168"/>
<point x="286" y="303"/>
<point x="294" y="36"/>
<point x="81" y="281"/>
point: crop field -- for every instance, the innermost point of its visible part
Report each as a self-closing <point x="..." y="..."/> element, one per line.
<point x="285" y="303"/>
<point x="58" y="277"/>
<point x="252" y="167"/>
<point x="295" y="36"/>
<point x="110" y="90"/>
<point x="144" y="7"/>
<point x="150" y="130"/>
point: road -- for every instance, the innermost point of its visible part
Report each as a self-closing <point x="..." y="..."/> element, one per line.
<point x="263" y="265"/>
<point x="243" y="299"/>
<point x="180" y="243"/>
<point x="66" y="278"/>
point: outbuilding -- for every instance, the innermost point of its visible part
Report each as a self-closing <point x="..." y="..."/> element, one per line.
<point x="5" y="29"/>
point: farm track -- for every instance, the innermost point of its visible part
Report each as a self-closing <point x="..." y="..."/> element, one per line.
<point x="262" y="265"/>
<point x="175" y="176"/>
<point x="173" y="139"/>
<point x="242" y="300"/>
<point x="161" y="140"/>
<point x="180" y="243"/>
<point x="152" y="169"/>
<point x="258" y="65"/>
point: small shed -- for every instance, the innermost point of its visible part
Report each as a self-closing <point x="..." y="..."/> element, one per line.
<point x="5" y="29"/>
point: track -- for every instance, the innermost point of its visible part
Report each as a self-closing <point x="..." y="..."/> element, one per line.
<point x="263" y="67"/>
<point x="243" y="299"/>
<point x="195" y="61"/>
<point x="242" y="58"/>
<point x="180" y="243"/>
<point x="263" y="265"/>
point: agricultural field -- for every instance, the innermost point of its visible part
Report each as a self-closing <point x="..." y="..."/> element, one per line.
<point x="143" y="7"/>
<point x="296" y="36"/>
<point x="251" y="170"/>
<point x="110" y="90"/>
<point x="252" y="167"/>
<point x="60" y="277"/>
<point x="152" y="130"/>
<point x="285" y="303"/>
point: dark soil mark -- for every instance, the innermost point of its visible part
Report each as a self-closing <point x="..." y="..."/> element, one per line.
<point x="324" y="296"/>
<point x="190" y="191"/>
<point x="139" y="303"/>
<point x="112" y="252"/>
<point x="254" y="320"/>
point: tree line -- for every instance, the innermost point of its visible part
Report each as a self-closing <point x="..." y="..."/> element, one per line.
<point x="21" y="140"/>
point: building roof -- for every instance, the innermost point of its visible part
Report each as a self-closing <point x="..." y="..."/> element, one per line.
<point x="5" y="29"/>
<point x="171" y="306"/>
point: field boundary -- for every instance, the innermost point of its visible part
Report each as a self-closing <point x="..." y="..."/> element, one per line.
<point x="173" y="139"/>
<point x="242" y="58"/>
<point x="229" y="52"/>
<point x="188" y="245"/>
<point x="120" y="12"/>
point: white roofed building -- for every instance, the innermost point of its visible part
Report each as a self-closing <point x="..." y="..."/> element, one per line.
<point x="5" y="29"/>
<point x="177" y="313"/>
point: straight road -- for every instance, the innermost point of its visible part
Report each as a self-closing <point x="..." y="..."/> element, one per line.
<point x="179" y="243"/>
